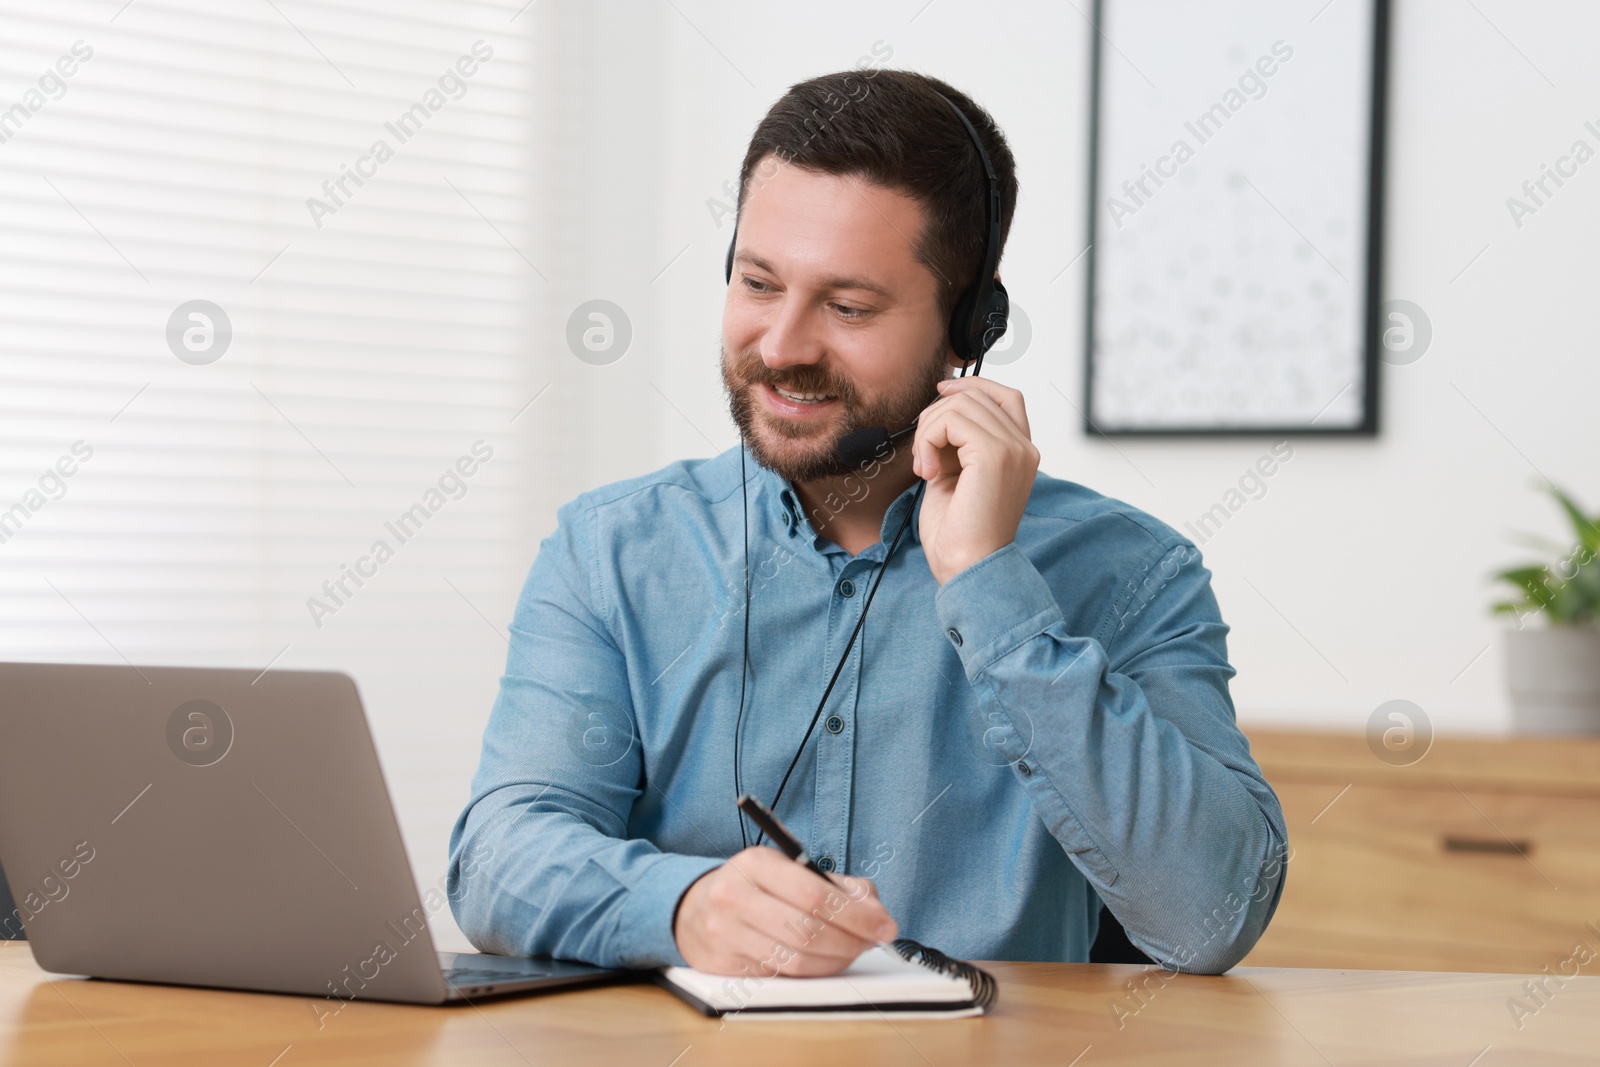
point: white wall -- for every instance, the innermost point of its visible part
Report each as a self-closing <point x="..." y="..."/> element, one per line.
<point x="1362" y="575"/>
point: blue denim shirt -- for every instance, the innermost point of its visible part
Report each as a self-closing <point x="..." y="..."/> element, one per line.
<point x="1049" y="730"/>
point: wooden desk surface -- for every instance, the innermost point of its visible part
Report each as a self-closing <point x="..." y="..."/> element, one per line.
<point x="1049" y="1013"/>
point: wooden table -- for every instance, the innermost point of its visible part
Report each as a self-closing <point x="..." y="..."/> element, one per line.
<point x="1049" y="1013"/>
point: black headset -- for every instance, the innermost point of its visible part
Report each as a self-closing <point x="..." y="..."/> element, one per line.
<point x="977" y="321"/>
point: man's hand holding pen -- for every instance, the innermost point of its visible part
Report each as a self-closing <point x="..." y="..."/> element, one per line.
<point x="764" y="914"/>
<point x="768" y="912"/>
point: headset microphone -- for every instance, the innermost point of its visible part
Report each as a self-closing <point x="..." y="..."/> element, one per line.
<point x="860" y="447"/>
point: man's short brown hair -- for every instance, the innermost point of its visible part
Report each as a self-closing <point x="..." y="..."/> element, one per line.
<point x="890" y="127"/>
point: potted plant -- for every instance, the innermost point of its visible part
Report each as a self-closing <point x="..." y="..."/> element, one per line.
<point x="1554" y="670"/>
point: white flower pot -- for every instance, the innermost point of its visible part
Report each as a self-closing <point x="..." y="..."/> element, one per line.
<point x="1554" y="677"/>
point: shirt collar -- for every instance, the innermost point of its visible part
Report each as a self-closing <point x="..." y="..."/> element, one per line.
<point x="783" y="503"/>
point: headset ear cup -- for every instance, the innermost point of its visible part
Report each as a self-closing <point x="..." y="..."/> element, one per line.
<point x="997" y="318"/>
<point x="961" y="322"/>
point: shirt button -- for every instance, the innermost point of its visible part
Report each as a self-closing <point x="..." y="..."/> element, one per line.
<point x="955" y="636"/>
<point x="826" y="863"/>
<point x="1025" y="770"/>
<point x="847" y="588"/>
<point x="834" y="724"/>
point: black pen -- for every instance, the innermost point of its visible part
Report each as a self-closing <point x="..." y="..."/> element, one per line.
<point x="779" y="833"/>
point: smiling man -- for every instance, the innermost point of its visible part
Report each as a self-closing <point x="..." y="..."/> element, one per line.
<point x="1033" y="719"/>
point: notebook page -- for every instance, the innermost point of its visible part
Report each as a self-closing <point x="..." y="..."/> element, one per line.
<point x="878" y="975"/>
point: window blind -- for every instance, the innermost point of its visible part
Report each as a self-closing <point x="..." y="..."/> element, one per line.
<point x="266" y="286"/>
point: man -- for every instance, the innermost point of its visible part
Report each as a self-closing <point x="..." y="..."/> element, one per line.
<point x="1034" y="718"/>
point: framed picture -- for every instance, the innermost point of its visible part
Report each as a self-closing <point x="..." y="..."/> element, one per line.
<point x="1235" y="224"/>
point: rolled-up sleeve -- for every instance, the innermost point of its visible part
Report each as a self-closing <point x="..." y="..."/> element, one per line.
<point x="540" y="864"/>
<point x="1131" y="757"/>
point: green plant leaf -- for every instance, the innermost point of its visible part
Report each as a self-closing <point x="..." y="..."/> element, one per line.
<point x="1568" y="590"/>
<point x="1587" y="532"/>
<point x="1533" y="572"/>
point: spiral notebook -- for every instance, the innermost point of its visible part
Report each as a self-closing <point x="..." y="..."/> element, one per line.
<point x="910" y="981"/>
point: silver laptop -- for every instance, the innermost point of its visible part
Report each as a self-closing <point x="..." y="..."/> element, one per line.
<point x="220" y="828"/>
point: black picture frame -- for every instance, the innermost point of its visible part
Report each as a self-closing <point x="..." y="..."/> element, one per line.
<point x="1368" y="425"/>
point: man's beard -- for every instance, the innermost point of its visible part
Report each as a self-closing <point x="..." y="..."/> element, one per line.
<point x="820" y="457"/>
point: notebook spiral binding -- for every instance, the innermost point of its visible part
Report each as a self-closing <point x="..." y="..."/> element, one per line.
<point x="984" y="988"/>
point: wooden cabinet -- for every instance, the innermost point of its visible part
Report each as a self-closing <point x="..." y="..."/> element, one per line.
<point x="1484" y="855"/>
